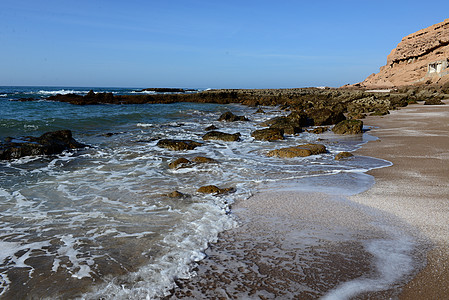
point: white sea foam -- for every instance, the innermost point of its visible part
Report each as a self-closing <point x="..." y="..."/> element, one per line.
<point x="61" y="92"/>
<point x="3" y="95"/>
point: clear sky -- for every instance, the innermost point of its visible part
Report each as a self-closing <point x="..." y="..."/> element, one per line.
<point x="204" y="44"/>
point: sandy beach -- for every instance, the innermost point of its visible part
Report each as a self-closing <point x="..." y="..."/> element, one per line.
<point x="416" y="188"/>
<point x="303" y="244"/>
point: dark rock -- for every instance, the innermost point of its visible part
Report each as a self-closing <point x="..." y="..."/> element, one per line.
<point x="433" y="101"/>
<point x="212" y="189"/>
<point x="49" y="143"/>
<point x="260" y="111"/>
<point x="343" y="155"/>
<point x="300" y="150"/>
<point x="325" y="116"/>
<point x="211" y="127"/>
<point x="348" y="127"/>
<point x="218" y="135"/>
<point x="230" y="117"/>
<point x="179" y="163"/>
<point x="204" y="160"/>
<point x="268" y="134"/>
<point x="290" y="124"/>
<point x="178" y="145"/>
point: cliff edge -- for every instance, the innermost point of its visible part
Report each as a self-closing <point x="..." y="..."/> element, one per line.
<point x="420" y="58"/>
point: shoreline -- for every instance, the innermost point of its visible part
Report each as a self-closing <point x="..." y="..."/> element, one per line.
<point x="246" y="259"/>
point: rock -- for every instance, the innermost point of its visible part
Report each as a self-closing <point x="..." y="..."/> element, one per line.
<point x="268" y="134"/>
<point x="325" y="116"/>
<point x="348" y="127"/>
<point x="179" y="163"/>
<point x="230" y="117"/>
<point x="290" y="124"/>
<point x="343" y="155"/>
<point x="211" y="127"/>
<point x="212" y="189"/>
<point x="367" y="105"/>
<point x="218" y="135"/>
<point x="204" y="160"/>
<point x="49" y="143"/>
<point x="300" y="150"/>
<point x="433" y="102"/>
<point x="176" y="195"/>
<point x="380" y="113"/>
<point x="260" y="111"/>
<point x="409" y="62"/>
<point x="319" y="130"/>
<point x="178" y="145"/>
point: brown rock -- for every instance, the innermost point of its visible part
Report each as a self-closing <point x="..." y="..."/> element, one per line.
<point x="268" y="134"/>
<point x="343" y="155"/>
<point x="218" y="135"/>
<point x="178" y="145"/>
<point x="319" y="130"/>
<point x="348" y="127"/>
<point x="300" y="150"/>
<point x="212" y="189"/>
<point x="434" y="102"/>
<point x="179" y="163"/>
<point x="176" y="194"/>
<point x="204" y="160"/>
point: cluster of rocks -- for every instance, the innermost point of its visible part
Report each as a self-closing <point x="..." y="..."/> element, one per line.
<point x="47" y="144"/>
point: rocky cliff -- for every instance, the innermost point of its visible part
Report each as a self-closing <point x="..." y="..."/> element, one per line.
<point x="421" y="57"/>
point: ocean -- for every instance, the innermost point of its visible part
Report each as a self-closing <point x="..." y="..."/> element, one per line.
<point x="96" y="223"/>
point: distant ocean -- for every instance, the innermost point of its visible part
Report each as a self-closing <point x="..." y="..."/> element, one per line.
<point x="94" y="223"/>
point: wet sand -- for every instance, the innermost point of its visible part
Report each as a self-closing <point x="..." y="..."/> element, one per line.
<point x="416" y="188"/>
<point x="301" y="245"/>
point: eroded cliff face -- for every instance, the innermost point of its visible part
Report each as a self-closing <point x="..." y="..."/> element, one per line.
<point x="408" y="63"/>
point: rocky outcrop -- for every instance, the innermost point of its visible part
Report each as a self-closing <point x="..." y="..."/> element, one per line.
<point x="300" y="150"/>
<point x="348" y="127"/>
<point x="409" y="62"/>
<point x="268" y="134"/>
<point x="49" y="143"/>
<point x="218" y="135"/>
<point x="178" y="145"/>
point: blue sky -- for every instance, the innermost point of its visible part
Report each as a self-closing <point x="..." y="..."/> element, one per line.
<point x="196" y="43"/>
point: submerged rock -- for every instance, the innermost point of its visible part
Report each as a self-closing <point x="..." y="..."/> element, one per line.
<point x="348" y="127"/>
<point x="268" y="134"/>
<point x="343" y="155"/>
<point x="212" y="189"/>
<point x="176" y="195"/>
<point x="211" y="127"/>
<point x="49" y="143"/>
<point x="300" y="150"/>
<point x="178" y="145"/>
<point x="218" y="135"/>
<point x="179" y="163"/>
<point x="204" y="160"/>
<point x="230" y="117"/>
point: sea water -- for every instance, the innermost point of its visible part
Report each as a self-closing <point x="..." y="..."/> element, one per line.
<point x="95" y="223"/>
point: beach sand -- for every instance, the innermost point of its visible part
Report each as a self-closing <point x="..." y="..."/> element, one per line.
<point x="301" y="244"/>
<point x="416" y="188"/>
